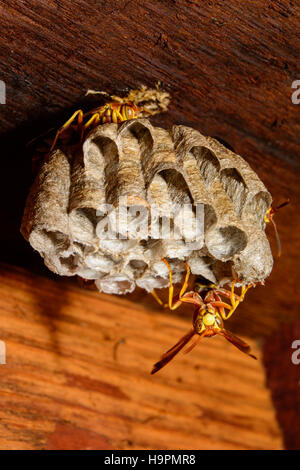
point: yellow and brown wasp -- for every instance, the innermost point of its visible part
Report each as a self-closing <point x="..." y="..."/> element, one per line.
<point x="141" y="102"/>
<point x="209" y="314"/>
<point x="114" y="112"/>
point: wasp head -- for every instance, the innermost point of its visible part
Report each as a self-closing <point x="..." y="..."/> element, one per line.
<point x="269" y="215"/>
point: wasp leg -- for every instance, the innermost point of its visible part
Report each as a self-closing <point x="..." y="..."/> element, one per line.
<point x="221" y="305"/>
<point x="244" y="290"/>
<point x="171" y="288"/>
<point x="188" y="297"/>
<point x="67" y="124"/>
<point x="234" y="302"/>
<point x="227" y="293"/>
<point x="157" y="297"/>
<point x="117" y="116"/>
<point x="146" y="111"/>
<point x="95" y="119"/>
<point x="214" y="298"/>
<point x="235" y="299"/>
<point x="186" y="280"/>
<point x="100" y="110"/>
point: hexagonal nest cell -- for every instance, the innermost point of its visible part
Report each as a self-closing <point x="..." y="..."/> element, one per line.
<point x="150" y="166"/>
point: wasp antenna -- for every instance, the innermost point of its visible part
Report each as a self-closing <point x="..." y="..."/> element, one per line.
<point x="285" y="203"/>
<point x="277" y="238"/>
<point x="96" y="92"/>
<point x="237" y="342"/>
<point x="168" y="356"/>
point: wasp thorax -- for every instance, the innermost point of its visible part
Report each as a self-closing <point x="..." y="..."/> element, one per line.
<point x="209" y="319"/>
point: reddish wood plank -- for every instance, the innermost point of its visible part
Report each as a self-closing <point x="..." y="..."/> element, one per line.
<point x="283" y="378"/>
<point x="78" y="376"/>
<point x="228" y="65"/>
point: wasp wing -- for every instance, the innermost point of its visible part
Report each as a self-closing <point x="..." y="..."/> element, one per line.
<point x="168" y="356"/>
<point x="237" y="342"/>
<point x="194" y="342"/>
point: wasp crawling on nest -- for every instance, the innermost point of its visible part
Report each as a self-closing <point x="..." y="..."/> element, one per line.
<point x="209" y="314"/>
<point x="138" y="103"/>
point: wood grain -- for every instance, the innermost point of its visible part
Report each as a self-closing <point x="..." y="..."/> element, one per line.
<point x="284" y="381"/>
<point x="78" y="376"/>
<point x="229" y="66"/>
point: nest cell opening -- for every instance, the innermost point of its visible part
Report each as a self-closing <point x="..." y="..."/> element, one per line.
<point x="259" y="206"/>
<point x="141" y="133"/>
<point x="70" y="262"/>
<point x="235" y="188"/>
<point x="208" y="164"/>
<point x="115" y="284"/>
<point x="225" y="242"/>
<point x="84" y="222"/>
<point x="50" y="239"/>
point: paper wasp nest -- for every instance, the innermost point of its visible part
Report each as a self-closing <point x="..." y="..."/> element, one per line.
<point x="151" y="166"/>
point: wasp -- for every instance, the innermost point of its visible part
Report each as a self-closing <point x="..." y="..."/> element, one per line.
<point x="269" y="218"/>
<point x="82" y="123"/>
<point x="141" y="102"/>
<point x="209" y="314"/>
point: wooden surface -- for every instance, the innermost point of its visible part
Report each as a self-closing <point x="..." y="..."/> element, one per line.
<point x="78" y="376"/>
<point x="284" y="382"/>
<point x="229" y="67"/>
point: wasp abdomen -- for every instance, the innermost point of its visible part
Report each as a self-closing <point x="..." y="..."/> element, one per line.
<point x="116" y="112"/>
